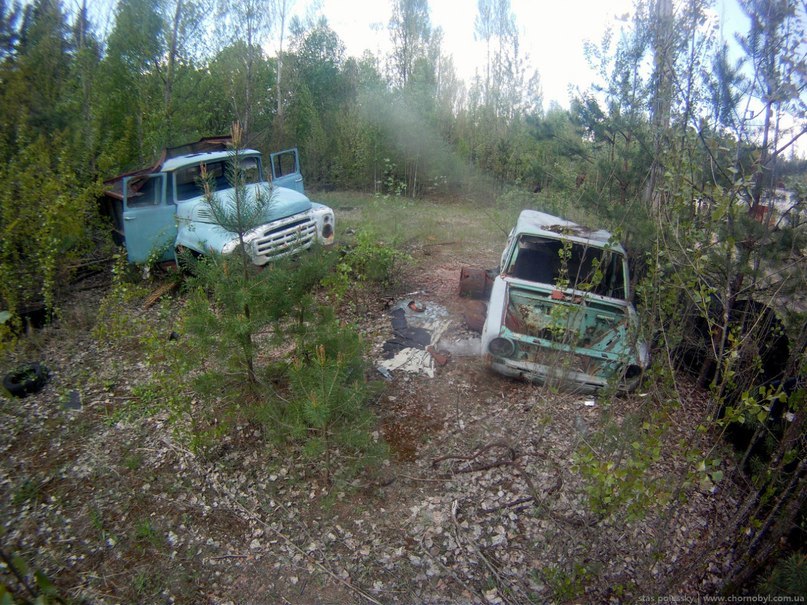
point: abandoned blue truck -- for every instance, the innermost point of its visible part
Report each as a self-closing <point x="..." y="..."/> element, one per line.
<point x="160" y="210"/>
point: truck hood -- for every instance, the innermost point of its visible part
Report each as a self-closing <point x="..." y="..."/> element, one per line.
<point x="284" y="202"/>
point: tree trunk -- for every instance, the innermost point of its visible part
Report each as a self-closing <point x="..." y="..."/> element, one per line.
<point x="778" y="523"/>
<point x="278" y="136"/>
<point x="168" y="90"/>
<point x="662" y="58"/>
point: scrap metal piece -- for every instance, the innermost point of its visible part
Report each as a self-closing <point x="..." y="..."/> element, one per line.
<point x="441" y="358"/>
<point x="474" y="313"/>
<point x="416" y="331"/>
<point x="476" y="283"/>
<point x="417" y="306"/>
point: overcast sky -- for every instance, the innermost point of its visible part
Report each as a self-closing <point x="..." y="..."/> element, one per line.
<point x="552" y="33"/>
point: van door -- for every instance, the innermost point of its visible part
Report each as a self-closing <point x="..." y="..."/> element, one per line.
<point x="149" y="219"/>
<point x="286" y="169"/>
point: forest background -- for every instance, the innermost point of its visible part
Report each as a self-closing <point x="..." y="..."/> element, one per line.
<point x="673" y="122"/>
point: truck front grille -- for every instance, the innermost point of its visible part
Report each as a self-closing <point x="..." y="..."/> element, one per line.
<point x="285" y="239"/>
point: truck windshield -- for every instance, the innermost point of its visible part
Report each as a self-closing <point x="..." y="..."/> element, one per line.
<point x="569" y="265"/>
<point x="188" y="179"/>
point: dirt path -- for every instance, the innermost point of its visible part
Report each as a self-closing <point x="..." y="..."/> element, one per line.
<point x="481" y="500"/>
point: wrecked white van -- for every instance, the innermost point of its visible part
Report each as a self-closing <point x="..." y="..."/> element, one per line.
<point x="560" y="308"/>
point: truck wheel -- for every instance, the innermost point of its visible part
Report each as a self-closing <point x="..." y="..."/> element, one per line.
<point x="26" y="380"/>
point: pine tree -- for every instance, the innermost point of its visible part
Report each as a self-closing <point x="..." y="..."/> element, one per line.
<point x="237" y="212"/>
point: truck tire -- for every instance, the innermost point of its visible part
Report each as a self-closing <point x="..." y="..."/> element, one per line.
<point x="26" y="380"/>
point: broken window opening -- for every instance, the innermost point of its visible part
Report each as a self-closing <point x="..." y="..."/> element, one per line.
<point x="587" y="268"/>
<point x="189" y="183"/>
<point x="143" y="191"/>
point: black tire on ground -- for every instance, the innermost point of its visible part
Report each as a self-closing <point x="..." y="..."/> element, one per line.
<point x="26" y="380"/>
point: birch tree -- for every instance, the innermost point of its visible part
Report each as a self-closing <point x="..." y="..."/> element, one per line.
<point x="249" y="22"/>
<point x="410" y="31"/>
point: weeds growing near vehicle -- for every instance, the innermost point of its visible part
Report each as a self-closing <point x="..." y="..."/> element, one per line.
<point x="313" y="396"/>
<point x="114" y="320"/>
<point x="616" y="465"/>
<point x="367" y="261"/>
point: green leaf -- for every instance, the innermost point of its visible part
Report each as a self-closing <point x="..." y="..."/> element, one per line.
<point x="20" y="565"/>
<point x="5" y="596"/>
<point x="45" y="585"/>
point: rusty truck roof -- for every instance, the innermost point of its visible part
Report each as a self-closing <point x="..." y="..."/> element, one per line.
<point x="114" y="185"/>
<point x="535" y="222"/>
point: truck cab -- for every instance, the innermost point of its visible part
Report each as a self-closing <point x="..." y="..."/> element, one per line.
<point x="158" y="210"/>
<point x="560" y="309"/>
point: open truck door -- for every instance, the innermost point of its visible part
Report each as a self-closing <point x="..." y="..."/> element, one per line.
<point x="286" y="169"/>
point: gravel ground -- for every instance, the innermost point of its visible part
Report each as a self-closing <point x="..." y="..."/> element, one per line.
<point x="480" y="500"/>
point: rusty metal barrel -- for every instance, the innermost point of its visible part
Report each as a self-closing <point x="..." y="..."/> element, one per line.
<point x="475" y="283"/>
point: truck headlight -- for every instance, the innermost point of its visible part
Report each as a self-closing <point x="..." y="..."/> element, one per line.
<point x="230" y="246"/>
<point x="502" y="347"/>
<point x="327" y="224"/>
<point x="633" y="371"/>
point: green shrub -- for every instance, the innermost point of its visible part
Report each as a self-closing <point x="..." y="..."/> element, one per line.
<point x="369" y="260"/>
<point x="616" y="467"/>
<point x="788" y="578"/>
<point x="46" y="223"/>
